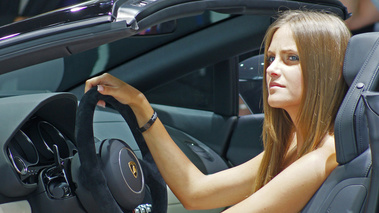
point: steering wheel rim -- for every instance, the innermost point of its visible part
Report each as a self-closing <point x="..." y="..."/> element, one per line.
<point x="90" y="171"/>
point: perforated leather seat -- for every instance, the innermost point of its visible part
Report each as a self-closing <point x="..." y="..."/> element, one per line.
<point x="347" y="188"/>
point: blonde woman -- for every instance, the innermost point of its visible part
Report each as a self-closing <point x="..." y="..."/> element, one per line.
<point x="303" y="89"/>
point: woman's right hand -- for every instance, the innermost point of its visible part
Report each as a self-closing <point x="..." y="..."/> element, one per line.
<point x="110" y="85"/>
<point x="122" y="92"/>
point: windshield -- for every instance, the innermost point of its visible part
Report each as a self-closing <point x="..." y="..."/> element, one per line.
<point x="66" y="73"/>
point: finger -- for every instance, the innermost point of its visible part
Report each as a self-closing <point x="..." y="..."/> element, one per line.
<point x="119" y="92"/>
<point x="102" y="79"/>
<point x="101" y="103"/>
<point x="107" y="90"/>
<point x="91" y="83"/>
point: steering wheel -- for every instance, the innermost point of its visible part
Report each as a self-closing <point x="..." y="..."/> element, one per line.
<point x="114" y="180"/>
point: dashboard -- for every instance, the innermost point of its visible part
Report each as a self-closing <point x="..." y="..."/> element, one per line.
<point x="37" y="146"/>
<point x="38" y="142"/>
<point x="37" y="139"/>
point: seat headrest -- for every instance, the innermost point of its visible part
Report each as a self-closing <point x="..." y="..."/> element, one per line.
<point x="361" y="74"/>
<point x="356" y="54"/>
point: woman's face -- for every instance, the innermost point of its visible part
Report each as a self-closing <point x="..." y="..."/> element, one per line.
<point x="284" y="76"/>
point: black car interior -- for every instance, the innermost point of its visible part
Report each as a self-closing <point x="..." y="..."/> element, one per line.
<point x="372" y="113"/>
<point x="350" y="183"/>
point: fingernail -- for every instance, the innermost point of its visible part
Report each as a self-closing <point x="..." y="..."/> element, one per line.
<point x="101" y="104"/>
<point x="100" y="88"/>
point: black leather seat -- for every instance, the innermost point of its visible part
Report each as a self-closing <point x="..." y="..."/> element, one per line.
<point x="347" y="187"/>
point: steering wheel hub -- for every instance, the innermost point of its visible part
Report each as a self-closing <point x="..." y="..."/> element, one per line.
<point x="123" y="173"/>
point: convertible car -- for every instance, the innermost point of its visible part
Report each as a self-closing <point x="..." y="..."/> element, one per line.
<point x="196" y="61"/>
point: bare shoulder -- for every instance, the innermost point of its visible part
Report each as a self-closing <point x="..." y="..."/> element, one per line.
<point x="324" y="155"/>
<point x="326" y="152"/>
<point x="328" y="143"/>
<point x="292" y="188"/>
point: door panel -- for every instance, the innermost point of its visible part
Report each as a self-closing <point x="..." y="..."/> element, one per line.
<point x="246" y="140"/>
<point x="211" y="129"/>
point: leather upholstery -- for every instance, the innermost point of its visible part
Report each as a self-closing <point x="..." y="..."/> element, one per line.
<point x="361" y="60"/>
<point x="346" y="188"/>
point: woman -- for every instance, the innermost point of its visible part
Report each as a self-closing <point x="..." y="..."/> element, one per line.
<point x="365" y="13"/>
<point x="303" y="88"/>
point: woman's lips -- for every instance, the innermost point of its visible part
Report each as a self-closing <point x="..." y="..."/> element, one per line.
<point x="274" y="84"/>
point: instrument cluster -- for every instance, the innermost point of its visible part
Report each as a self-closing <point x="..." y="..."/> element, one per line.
<point x="36" y="146"/>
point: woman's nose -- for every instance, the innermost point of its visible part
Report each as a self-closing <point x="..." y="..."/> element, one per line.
<point x="273" y="69"/>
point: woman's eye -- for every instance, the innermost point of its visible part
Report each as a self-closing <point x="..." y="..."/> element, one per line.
<point x="293" y="58"/>
<point x="270" y="59"/>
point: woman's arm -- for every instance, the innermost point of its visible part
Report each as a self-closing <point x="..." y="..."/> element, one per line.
<point x="291" y="189"/>
<point x="364" y="13"/>
<point x="194" y="189"/>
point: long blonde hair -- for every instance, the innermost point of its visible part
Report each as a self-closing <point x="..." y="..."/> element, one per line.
<point x="321" y="40"/>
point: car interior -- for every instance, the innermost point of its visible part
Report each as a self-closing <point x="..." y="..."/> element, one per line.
<point x="194" y="86"/>
<point x="349" y="183"/>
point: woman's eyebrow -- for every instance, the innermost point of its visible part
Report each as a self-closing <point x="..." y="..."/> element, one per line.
<point x="286" y="50"/>
<point x="289" y="50"/>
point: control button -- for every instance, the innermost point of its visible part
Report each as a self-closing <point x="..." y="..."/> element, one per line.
<point x="144" y="208"/>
